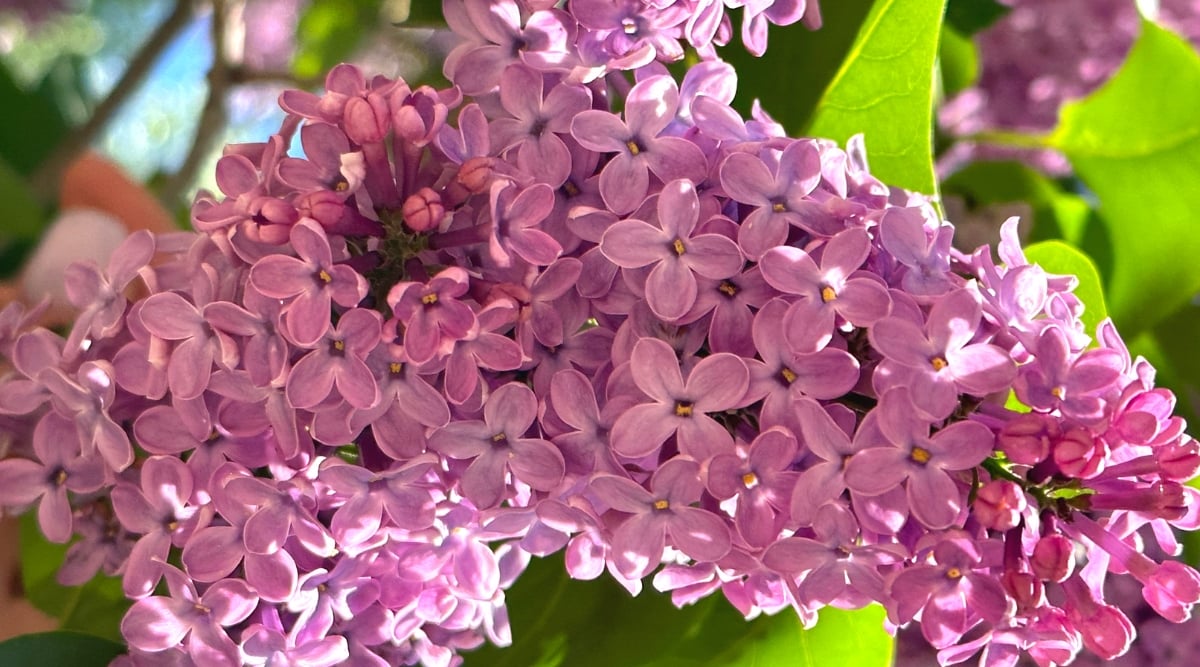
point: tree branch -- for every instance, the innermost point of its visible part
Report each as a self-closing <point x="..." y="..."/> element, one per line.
<point x="44" y="182"/>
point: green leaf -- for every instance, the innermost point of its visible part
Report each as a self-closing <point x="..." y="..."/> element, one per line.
<point x="23" y="220"/>
<point x="884" y="90"/>
<point x="1058" y="257"/>
<point x="1136" y="144"/>
<point x="61" y="649"/>
<point x="95" y="608"/>
<point x="330" y="31"/>
<point x="559" y="622"/>
<point x="970" y="16"/>
<point x="33" y="124"/>
<point x="414" y="13"/>
<point x="810" y="58"/>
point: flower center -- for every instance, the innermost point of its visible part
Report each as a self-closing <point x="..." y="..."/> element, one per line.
<point x="749" y="480"/>
<point x="60" y="477"/>
<point x="499" y="438"/>
<point x="324" y="276"/>
<point x="788" y="375"/>
<point x="429" y="299"/>
<point x="571" y="189"/>
<point x="633" y="147"/>
<point x="727" y="288"/>
<point x="662" y="504"/>
<point x="920" y="455"/>
<point x="337" y="348"/>
<point x="1057" y="392"/>
<point x="828" y="294"/>
<point x="395" y="367"/>
<point x="678" y="246"/>
<point x="954" y="573"/>
<point x="629" y="26"/>
<point x="938" y="363"/>
<point x="683" y="409"/>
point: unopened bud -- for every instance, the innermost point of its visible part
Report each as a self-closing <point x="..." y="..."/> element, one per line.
<point x="1026" y="440"/>
<point x="423" y="210"/>
<point x="1053" y="558"/>
<point x="476" y="174"/>
<point x="998" y="505"/>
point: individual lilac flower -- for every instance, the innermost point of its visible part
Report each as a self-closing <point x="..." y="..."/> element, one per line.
<point x="783" y="375"/>
<point x="191" y="619"/>
<point x="256" y="321"/>
<point x="941" y="361"/>
<point x="368" y="495"/>
<point x="498" y="444"/>
<point x="324" y="146"/>
<point x="101" y="295"/>
<point x="159" y="510"/>
<point x="269" y="643"/>
<point x="824" y="480"/>
<point x="197" y="345"/>
<point x="533" y="131"/>
<point x="732" y="302"/>
<point x="925" y="462"/>
<point x="778" y="197"/>
<point x="585" y="448"/>
<point x="676" y="253"/>
<point x="516" y="214"/>
<point x="836" y="567"/>
<point x="952" y="595"/>
<point x="627" y="34"/>
<point x="758" y="13"/>
<point x="482" y="350"/>
<point x="408" y="404"/>
<point x="761" y="481"/>
<point x="432" y="314"/>
<point x="678" y="407"/>
<point x="664" y="512"/>
<point x="311" y="280"/>
<point x="277" y="510"/>
<point x="1059" y="379"/>
<point x="551" y="296"/>
<point x="925" y="255"/>
<point x="59" y="469"/>
<point x="498" y="36"/>
<point x="649" y="107"/>
<point x="87" y="400"/>
<point x="337" y="364"/>
<point x="835" y="289"/>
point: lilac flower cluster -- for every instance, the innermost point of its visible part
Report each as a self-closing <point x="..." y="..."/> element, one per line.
<point x="1040" y="56"/>
<point x="462" y="332"/>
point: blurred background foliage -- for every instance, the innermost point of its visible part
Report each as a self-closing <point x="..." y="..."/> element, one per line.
<point x="160" y="86"/>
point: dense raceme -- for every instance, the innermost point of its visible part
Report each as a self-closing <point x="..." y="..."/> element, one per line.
<point x="460" y="332"/>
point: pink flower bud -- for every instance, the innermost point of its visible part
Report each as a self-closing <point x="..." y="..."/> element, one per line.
<point x="1026" y="439"/>
<point x="1179" y="461"/>
<point x="476" y="174"/>
<point x="1172" y="590"/>
<point x="1025" y="588"/>
<point x="423" y="211"/>
<point x="1053" y="558"/>
<point x="998" y="505"/>
<point x="1078" y="454"/>
<point x="367" y="120"/>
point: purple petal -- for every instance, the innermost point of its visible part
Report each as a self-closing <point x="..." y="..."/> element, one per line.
<point x="642" y="429"/>
<point x="699" y="533"/>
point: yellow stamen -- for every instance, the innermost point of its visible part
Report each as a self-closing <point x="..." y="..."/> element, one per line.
<point x="938" y="363"/>
<point x="324" y="276"/>
<point x="339" y="345"/>
<point x="828" y="294"/>
<point x="429" y="299"/>
<point x="728" y="288"/>
<point x="683" y="409"/>
<point x="954" y="573"/>
<point x="60" y="478"/>
<point x="633" y="147"/>
<point x="571" y="189"/>
<point x="661" y="504"/>
<point x="789" y="376"/>
<point x="750" y="480"/>
<point x="678" y="245"/>
<point x="778" y="207"/>
<point x="1057" y="392"/>
<point x="395" y="367"/>
<point x="920" y="455"/>
<point x="172" y="526"/>
<point x="499" y="437"/>
<point x="341" y="185"/>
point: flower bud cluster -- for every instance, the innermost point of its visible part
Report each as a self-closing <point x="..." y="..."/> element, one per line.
<point x="459" y="332"/>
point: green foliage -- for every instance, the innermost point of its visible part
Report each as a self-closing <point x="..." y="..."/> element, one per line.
<point x="958" y="61"/>
<point x="330" y="31"/>
<point x="61" y="649"/>
<point x="968" y="17"/>
<point x="884" y="89"/>
<point x="415" y="13"/>
<point x="1058" y="257"/>
<point x="1136" y="144"/>
<point x="560" y="622"/>
<point x="32" y="124"/>
<point x="1057" y="214"/>
<point x="95" y="608"/>
<point x="810" y="59"/>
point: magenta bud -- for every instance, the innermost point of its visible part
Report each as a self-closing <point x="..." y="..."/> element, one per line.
<point x="476" y="174"/>
<point x="1179" y="461"/>
<point x="365" y="121"/>
<point x="423" y="210"/>
<point x="1026" y="439"/>
<point x="1080" y="455"/>
<point x="1025" y="588"/>
<point x="1053" y="558"/>
<point x="998" y="505"/>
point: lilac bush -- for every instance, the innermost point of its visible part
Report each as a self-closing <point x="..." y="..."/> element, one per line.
<point x="567" y="313"/>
